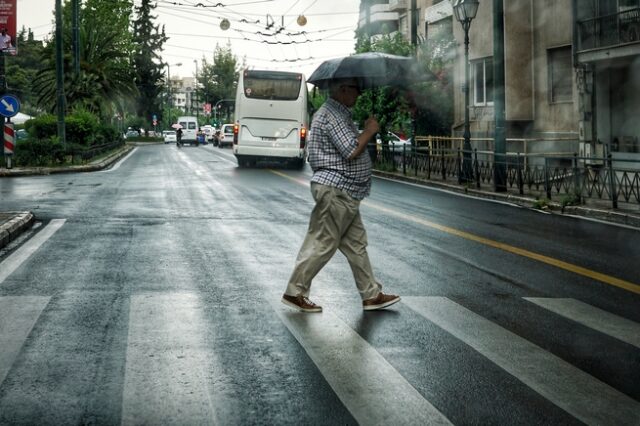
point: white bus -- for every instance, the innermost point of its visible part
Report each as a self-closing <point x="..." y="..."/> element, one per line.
<point x="271" y="118"/>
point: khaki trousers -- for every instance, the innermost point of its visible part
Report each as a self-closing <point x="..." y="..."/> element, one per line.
<point x="335" y="224"/>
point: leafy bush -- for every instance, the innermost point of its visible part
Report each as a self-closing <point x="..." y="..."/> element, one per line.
<point x="42" y="127"/>
<point x="38" y="152"/>
<point x="107" y="134"/>
<point x="81" y="127"/>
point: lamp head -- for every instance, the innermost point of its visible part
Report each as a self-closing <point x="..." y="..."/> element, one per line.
<point x="465" y="10"/>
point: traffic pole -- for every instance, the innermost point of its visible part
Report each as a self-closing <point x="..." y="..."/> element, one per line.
<point x="9" y="142"/>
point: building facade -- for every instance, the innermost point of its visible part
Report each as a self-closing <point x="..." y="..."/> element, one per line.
<point x="607" y="60"/>
<point x="572" y="70"/>
<point x="183" y="94"/>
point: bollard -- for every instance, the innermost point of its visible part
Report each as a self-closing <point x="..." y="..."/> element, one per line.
<point x="9" y="142"/>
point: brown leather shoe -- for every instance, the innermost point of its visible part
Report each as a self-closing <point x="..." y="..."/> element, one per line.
<point x="300" y="303"/>
<point x="380" y="301"/>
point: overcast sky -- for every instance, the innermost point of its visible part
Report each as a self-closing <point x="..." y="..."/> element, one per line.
<point x="194" y="30"/>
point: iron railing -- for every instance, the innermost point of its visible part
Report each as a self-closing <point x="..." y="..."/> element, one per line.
<point x="609" y="30"/>
<point x="570" y="177"/>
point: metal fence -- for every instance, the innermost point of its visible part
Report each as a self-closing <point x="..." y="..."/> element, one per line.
<point x="609" y="30"/>
<point x="565" y="176"/>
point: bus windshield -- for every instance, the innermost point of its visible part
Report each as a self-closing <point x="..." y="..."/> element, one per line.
<point x="270" y="85"/>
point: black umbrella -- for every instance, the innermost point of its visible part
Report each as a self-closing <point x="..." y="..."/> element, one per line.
<point x="372" y="69"/>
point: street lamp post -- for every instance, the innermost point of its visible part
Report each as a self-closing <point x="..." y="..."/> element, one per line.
<point x="215" y="108"/>
<point x="169" y="81"/>
<point x="465" y="11"/>
<point x="195" y="61"/>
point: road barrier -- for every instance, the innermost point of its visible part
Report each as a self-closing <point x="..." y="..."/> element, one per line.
<point x="563" y="175"/>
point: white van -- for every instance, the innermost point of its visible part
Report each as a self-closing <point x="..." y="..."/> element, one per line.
<point x="189" y="128"/>
<point x="271" y="118"/>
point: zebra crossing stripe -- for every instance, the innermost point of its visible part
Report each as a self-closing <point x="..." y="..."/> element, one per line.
<point x="573" y="390"/>
<point x="16" y="259"/>
<point x="167" y="362"/>
<point x="595" y="318"/>
<point x="18" y="315"/>
<point x="369" y="387"/>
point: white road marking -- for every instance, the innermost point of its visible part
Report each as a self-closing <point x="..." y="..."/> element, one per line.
<point x="167" y="362"/>
<point x="223" y="156"/>
<point x="595" y="318"/>
<point x="18" y="315"/>
<point x="117" y="165"/>
<point x="369" y="387"/>
<point x="16" y="259"/>
<point x="583" y="396"/>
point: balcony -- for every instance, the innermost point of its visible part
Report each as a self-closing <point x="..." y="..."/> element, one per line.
<point x="380" y="19"/>
<point x="609" y="31"/>
<point x="438" y="12"/>
<point x="397" y="5"/>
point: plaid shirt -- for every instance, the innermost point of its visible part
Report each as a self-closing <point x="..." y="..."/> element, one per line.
<point x="332" y="140"/>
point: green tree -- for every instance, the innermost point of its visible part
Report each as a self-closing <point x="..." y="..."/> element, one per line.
<point x="106" y="78"/>
<point x="219" y="79"/>
<point x="389" y="104"/>
<point x="430" y="103"/>
<point x="148" y="40"/>
<point x="434" y="99"/>
<point x="22" y="69"/>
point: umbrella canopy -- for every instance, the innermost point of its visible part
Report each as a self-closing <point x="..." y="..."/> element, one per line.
<point x="176" y="126"/>
<point x="372" y="69"/>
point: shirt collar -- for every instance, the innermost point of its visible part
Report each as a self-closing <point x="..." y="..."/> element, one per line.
<point x="335" y="104"/>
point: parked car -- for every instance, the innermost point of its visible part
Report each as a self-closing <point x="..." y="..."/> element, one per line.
<point x="225" y="137"/>
<point x="209" y="132"/>
<point x="21" y="134"/>
<point x="396" y="143"/>
<point x="131" y="134"/>
<point x="170" y="136"/>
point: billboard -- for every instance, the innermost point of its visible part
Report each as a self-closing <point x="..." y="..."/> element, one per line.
<point x="8" y="26"/>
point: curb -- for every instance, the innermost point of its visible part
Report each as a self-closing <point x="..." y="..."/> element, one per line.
<point x="620" y="218"/>
<point x="11" y="229"/>
<point x="92" y="167"/>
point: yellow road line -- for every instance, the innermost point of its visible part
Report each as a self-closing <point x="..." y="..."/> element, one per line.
<point x="598" y="276"/>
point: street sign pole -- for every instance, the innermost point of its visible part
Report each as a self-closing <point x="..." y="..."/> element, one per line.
<point x="9" y="106"/>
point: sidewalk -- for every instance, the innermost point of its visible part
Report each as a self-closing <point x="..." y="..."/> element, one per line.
<point x="13" y="223"/>
<point x="596" y="209"/>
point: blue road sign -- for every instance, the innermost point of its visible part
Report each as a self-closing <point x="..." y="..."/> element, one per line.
<point x="9" y="105"/>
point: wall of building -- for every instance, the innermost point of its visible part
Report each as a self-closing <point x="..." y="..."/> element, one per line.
<point x="552" y="22"/>
<point x="531" y="28"/>
<point x="519" y="66"/>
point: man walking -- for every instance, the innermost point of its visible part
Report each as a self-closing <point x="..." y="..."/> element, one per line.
<point x="341" y="179"/>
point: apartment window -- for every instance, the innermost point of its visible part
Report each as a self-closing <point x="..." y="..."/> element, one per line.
<point x="483" y="82"/>
<point x="560" y="74"/>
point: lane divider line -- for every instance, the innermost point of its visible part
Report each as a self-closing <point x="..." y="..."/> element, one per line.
<point x="605" y="322"/>
<point x="589" y="273"/>
<point x="578" y="393"/>
<point x="119" y="163"/>
<point x="168" y="365"/>
<point x="18" y="315"/>
<point x="13" y="262"/>
<point x="369" y="387"/>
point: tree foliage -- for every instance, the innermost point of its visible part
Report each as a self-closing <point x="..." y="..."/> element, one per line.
<point x="429" y="103"/>
<point x="106" y="77"/>
<point x="434" y="99"/>
<point x="148" y="40"/>
<point x="218" y="79"/>
<point x="22" y="69"/>
<point x="389" y="105"/>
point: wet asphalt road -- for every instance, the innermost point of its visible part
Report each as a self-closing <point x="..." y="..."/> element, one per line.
<point x="149" y="294"/>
